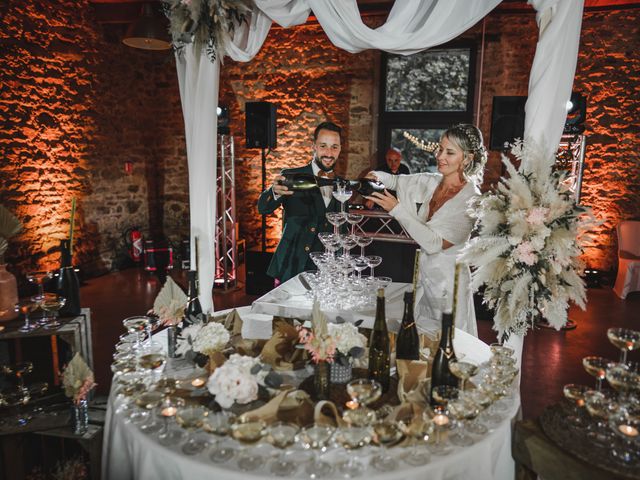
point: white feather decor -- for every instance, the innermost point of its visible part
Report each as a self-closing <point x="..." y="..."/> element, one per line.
<point x="528" y="244"/>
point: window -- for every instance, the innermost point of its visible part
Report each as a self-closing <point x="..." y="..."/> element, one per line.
<point x="422" y="95"/>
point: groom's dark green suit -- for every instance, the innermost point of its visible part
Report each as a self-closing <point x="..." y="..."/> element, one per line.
<point x="303" y="218"/>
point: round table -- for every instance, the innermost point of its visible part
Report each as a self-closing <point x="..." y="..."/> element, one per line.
<point x="130" y="454"/>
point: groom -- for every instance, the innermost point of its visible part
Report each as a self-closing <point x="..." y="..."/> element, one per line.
<point x="304" y="211"/>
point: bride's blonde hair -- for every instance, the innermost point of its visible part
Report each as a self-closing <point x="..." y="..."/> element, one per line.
<point x="469" y="139"/>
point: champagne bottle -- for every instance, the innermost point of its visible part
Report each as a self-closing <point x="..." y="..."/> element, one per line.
<point x="366" y="187"/>
<point x="305" y="181"/>
<point x="440" y="373"/>
<point x="379" y="368"/>
<point x="68" y="285"/>
<point x="407" y="341"/>
<point x="193" y="305"/>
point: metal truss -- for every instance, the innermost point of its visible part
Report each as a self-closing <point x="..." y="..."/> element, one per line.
<point x="570" y="157"/>
<point x="382" y="226"/>
<point x="225" y="243"/>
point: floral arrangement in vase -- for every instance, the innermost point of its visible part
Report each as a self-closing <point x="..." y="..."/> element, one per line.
<point x="350" y="345"/>
<point x="205" y="23"/>
<point x="202" y="342"/>
<point x="77" y="379"/>
<point x="240" y="379"/>
<point x="170" y="304"/>
<point x="317" y="340"/>
<point x="528" y="244"/>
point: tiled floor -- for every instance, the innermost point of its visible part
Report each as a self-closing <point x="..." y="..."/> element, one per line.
<point x="550" y="358"/>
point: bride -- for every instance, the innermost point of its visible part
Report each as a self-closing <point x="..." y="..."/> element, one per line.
<point x="441" y="225"/>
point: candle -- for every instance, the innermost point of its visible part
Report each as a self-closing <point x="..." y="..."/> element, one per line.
<point x="580" y="402"/>
<point x="440" y="420"/>
<point x="197" y="382"/>
<point x="628" y="430"/>
<point x="351" y="404"/>
<point x="169" y="411"/>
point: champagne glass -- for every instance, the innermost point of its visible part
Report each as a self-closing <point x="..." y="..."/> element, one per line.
<point x="385" y="434"/>
<point x="347" y="242"/>
<point x="152" y="363"/>
<point x="353" y="219"/>
<point x="336" y="219"/>
<point x="462" y="409"/>
<point x="19" y="370"/>
<point x="501" y="351"/>
<point x="360" y="264"/>
<point x="316" y="437"/>
<point x="38" y="279"/>
<point x="463" y="370"/>
<point x="281" y="435"/>
<point x="373" y="261"/>
<point x="248" y="431"/>
<point x="599" y="405"/>
<point x="52" y="303"/>
<point x="168" y="408"/>
<point x="624" y="339"/>
<point x="136" y="325"/>
<point x="363" y="241"/>
<point x="482" y="400"/>
<point x="362" y="392"/>
<point x="596" y="367"/>
<point x="440" y="421"/>
<point x="624" y="421"/>
<point x="574" y="393"/>
<point x="419" y="429"/>
<point x="352" y="437"/>
<point x="218" y="424"/>
<point x="148" y="402"/>
<point x="443" y="394"/>
<point x="25" y="307"/>
<point x="191" y="419"/>
<point x="341" y="194"/>
<point x="622" y="379"/>
<point x="383" y="282"/>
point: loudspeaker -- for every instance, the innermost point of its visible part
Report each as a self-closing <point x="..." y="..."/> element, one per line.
<point x="258" y="282"/>
<point x="507" y="121"/>
<point x="260" y="124"/>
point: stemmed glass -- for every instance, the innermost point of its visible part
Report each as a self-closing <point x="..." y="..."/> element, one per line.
<point x="219" y="424"/>
<point x="136" y="325"/>
<point x="347" y="242"/>
<point x="341" y="194"/>
<point x="38" y="279"/>
<point x="600" y="406"/>
<point x="352" y="437"/>
<point x="148" y="402"/>
<point x="362" y="391"/>
<point x="625" y="422"/>
<point x="19" y="370"/>
<point x="52" y="303"/>
<point x="336" y="219"/>
<point x="482" y="400"/>
<point x="191" y="419"/>
<point x="463" y="370"/>
<point x="248" y="431"/>
<point x="360" y="264"/>
<point x="316" y="437"/>
<point x="385" y="434"/>
<point x="25" y="307"/>
<point x="281" y="435"/>
<point x="624" y="339"/>
<point x="151" y="361"/>
<point x="574" y="393"/>
<point x="373" y="261"/>
<point x="462" y="409"/>
<point x="363" y="241"/>
<point x="622" y="379"/>
<point x="419" y="429"/>
<point x="597" y="367"/>
<point x="440" y="421"/>
<point x="353" y="219"/>
<point x="168" y="409"/>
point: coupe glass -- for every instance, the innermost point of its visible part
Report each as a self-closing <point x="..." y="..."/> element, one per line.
<point x="622" y="379"/>
<point x="419" y="429"/>
<point x="624" y="339"/>
<point x="51" y="304"/>
<point x="219" y="424"/>
<point x="385" y="434"/>
<point x="599" y="405"/>
<point x="383" y="282"/>
<point x="282" y="435"/>
<point x="336" y="219"/>
<point x="248" y="431"/>
<point x="316" y="437"/>
<point x="353" y="219"/>
<point x="341" y="194"/>
<point x="360" y="264"/>
<point x="25" y="307"/>
<point x="362" y="392"/>
<point x="347" y="242"/>
<point x="152" y="362"/>
<point x="574" y="393"/>
<point x="624" y="421"/>
<point x="483" y="401"/>
<point x="136" y="326"/>
<point x="352" y="437"/>
<point x="19" y="370"/>
<point x="148" y="402"/>
<point x="363" y="241"/>
<point x="463" y="370"/>
<point x="462" y="409"/>
<point x="373" y="261"/>
<point x="441" y="422"/>
<point x="596" y="367"/>
<point x="168" y="409"/>
<point x="191" y="419"/>
<point x="443" y="394"/>
<point x="38" y="279"/>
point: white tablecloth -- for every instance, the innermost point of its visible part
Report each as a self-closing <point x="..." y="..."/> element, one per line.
<point x="131" y="454"/>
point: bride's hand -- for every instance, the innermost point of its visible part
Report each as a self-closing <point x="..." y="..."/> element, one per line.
<point x="384" y="200"/>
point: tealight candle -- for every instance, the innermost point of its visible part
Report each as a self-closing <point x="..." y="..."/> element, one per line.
<point x="440" y="420"/>
<point x="351" y="404"/>
<point x="580" y="402"/>
<point x="628" y="430"/>
<point x="169" y="411"/>
<point x="197" y="382"/>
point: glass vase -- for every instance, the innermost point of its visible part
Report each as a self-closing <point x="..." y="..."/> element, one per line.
<point x="172" y="340"/>
<point x="341" y="373"/>
<point x="321" y="381"/>
<point x="80" y="417"/>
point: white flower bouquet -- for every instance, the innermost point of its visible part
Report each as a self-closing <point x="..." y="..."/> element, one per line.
<point x="528" y="244"/>
<point x="239" y="380"/>
<point x="349" y="342"/>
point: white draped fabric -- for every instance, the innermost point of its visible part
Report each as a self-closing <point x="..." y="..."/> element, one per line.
<point x="199" y="81"/>
<point x="412" y="26"/>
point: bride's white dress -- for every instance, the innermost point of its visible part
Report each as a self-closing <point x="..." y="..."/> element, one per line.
<point x="437" y="266"/>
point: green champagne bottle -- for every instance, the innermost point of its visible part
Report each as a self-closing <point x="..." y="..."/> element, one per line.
<point x="305" y="181"/>
<point x="408" y="341"/>
<point x="440" y="373"/>
<point x="379" y="348"/>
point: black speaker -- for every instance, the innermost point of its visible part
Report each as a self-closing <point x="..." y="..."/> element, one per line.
<point x="258" y="282"/>
<point x="507" y="121"/>
<point x="260" y="124"/>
